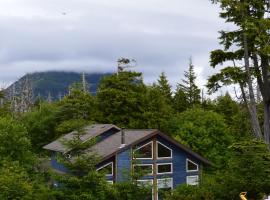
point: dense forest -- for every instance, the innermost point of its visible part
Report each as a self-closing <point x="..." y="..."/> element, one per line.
<point x="231" y="132"/>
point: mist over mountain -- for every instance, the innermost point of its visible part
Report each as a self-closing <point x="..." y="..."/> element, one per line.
<point x="55" y="83"/>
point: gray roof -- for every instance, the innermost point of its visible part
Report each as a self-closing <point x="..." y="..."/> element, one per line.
<point x="89" y="133"/>
<point x="112" y="144"/>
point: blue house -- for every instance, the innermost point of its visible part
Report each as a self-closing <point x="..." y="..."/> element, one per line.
<point x="166" y="162"/>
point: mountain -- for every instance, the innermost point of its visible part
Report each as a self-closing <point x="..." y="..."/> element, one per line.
<point x="55" y="83"/>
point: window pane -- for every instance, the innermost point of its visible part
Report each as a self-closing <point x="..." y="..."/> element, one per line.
<point x="191" y="166"/>
<point x="192" y="180"/>
<point x="144" y="151"/>
<point x="164" y="168"/>
<point x="107" y="169"/>
<point x="143" y="169"/>
<point x="165" y="183"/>
<point x="163" y="152"/>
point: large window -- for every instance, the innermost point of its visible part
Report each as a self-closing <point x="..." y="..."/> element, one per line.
<point x="192" y="180"/>
<point x="107" y="169"/>
<point x="164" y="185"/>
<point x="163" y="151"/>
<point x="191" y="166"/>
<point x="143" y="169"/>
<point x="164" y="168"/>
<point x="144" y="152"/>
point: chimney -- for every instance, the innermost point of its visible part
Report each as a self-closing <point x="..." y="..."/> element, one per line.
<point x="123" y="142"/>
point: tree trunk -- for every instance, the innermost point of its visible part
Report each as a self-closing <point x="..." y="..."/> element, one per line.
<point x="266" y="125"/>
<point x="252" y="102"/>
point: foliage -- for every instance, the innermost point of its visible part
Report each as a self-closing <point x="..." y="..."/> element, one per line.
<point x="40" y="124"/>
<point x="121" y="99"/>
<point x="77" y="105"/>
<point x="204" y="131"/>
<point x="186" y="192"/>
<point x="165" y="88"/>
<point x="189" y="87"/>
<point x="157" y="109"/>
<point x="15" y="144"/>
<point x="247" y="170"/>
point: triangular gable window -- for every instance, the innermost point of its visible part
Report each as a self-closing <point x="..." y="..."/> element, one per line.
<point x="144" y="152"/>
<point x="163" y="151"/>
<point x="106" y="169"/>
<point x="192" y="166"/>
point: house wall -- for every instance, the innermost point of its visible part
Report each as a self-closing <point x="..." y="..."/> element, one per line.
<point x="178" y="160"/>
<point x="179" y="163"/>
<point x="57" y="165"/>
<point x="123" y="165"/>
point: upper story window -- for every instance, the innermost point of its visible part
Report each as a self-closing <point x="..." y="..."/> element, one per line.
<point x="191" y="166"/>
<point x="163" y="151"/>
<point x="107" y="169"/>
<point x="144" y="152"/>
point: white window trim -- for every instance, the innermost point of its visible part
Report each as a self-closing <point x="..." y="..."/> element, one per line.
<point x="110" y="182"/>
<point x="188" y="160"/>
<point x="110" y="163"/>
<point x="164" y="179"/>
<point x="196" y="176"/>
<point x="167" y="148"/>
<point x="152" y="166"/>
<point x="165" y="164"/>
<point x="152" y="156"/>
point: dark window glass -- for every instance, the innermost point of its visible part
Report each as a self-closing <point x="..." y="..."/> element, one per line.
<point x="165" y="168"/>
<point x="163" y="152"/>
<point x="192" y="166"/>
<point x="144" y="151"/>
<point x="143" y="169"/>
<point x="107" y="169"/>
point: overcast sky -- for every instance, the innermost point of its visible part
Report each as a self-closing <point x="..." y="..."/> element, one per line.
<point x="90" y="35"/>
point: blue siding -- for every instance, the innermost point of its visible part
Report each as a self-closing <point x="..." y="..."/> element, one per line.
<point x="123" y="165"/>
<point x="179" y="163"/>
<point x="56" y="165"/>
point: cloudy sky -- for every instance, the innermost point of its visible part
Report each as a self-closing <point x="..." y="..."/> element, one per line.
<point x="90" y="35"/>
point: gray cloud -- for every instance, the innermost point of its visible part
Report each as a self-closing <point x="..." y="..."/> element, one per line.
<point x="90" y="35"/>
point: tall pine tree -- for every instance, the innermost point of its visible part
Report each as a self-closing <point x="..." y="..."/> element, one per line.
<point x="189" y="87"/>
<point x="164" y="87"/>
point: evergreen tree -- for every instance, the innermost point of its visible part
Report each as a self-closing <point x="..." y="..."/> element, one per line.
<point x="121" y="99"/>
<point x="157" y="109"/>
<point x="164" y="87"/>
<point x="189" y="86"/>
<point x="180" y="100"/>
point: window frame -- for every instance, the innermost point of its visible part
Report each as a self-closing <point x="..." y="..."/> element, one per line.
<point x="193" y="176"/>
<point x="105" y="165"/>
<point x="148" y="164"/>
<point x="159" y="158"/>
<point x="152" y="153"/>
<point x="158" y="164"/>
<point x="196" y="170"/>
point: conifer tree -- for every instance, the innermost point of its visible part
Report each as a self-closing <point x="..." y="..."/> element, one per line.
<point x="164" y="87"/>
<point x="189" y="87"/>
